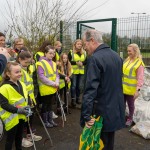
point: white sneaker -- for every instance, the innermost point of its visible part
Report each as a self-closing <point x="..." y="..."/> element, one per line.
<point x="26" y="143"/>
<point x="35" y="137"/>
<point x="54" y="116"/>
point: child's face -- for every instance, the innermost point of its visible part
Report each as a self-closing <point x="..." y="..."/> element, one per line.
<point x="25" y="62"/>
<point x="15" y="73"/>
<point x="65" y="58"/>
<point x="58" y="46"/>
<point x="78" y="45"/>
<point x="50" y="54"/>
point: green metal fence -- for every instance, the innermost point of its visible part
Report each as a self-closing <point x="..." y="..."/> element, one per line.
<point x="129" y="30"/>
<point x="134" y="30"/>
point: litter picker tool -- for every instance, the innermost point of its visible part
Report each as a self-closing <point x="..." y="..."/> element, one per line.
<point x="49" y="137"/>
<point x="63" y="116"/>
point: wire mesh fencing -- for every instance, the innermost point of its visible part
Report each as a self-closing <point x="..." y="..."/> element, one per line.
<point x="134" y="30"/>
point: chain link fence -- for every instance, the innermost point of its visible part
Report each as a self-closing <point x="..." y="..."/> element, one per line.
<point x="129" y="30"/>
<point x="134" y="30"/>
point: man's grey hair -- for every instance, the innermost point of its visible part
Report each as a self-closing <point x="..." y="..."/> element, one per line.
<point x="91" y="33"/>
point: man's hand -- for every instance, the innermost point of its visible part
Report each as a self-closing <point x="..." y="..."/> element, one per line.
<point x="90" y="123"/>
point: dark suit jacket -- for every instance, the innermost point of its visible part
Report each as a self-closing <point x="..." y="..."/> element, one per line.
<point x="104" y="86"/>
<point x="3" y="62"/>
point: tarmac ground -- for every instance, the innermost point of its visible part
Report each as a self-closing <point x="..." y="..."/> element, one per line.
<point x="67" y="138"/>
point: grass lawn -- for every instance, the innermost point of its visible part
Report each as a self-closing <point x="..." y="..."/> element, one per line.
<point x="146" y="55"/>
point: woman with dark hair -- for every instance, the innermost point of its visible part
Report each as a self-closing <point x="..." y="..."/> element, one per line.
<point x="48" y="80"/>
<point x="40" y="53"/>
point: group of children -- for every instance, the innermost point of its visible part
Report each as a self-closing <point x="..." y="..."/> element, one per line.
<point x="52" y="71"/>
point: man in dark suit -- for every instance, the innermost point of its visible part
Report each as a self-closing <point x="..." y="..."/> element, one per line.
<point x="103" y="88"/>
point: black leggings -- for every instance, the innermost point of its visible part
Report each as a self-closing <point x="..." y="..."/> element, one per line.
<point x="15" y="134"/>
<point x="47" y="103"/>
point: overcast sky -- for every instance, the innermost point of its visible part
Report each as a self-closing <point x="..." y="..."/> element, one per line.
<point x="100" y="9"/>
<point x="117" y="8"/>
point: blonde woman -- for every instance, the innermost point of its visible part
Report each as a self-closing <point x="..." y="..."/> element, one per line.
<point x="133" y="75"/>
<point x="77" y="57"/>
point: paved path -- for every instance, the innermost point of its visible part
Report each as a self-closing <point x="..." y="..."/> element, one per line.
<point x="67" y="138"/>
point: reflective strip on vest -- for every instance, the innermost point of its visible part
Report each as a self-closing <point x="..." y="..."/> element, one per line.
<point x="45" y="68"/>
<point x="19" y="102"/>
<point x="129" y="76"/>
<point x="77" y="69"/>
<point x="50" y="74"/>
<point x="14" y="99"/>
<point x="12" y="116"/>
<point x="29" y="84"/>
<point x="25" y="79"/>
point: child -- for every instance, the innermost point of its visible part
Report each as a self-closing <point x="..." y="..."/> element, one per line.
<point x="13" y="105"/>
<point x="78" y="58"/>
<point x="40" y="52"/>
<point x="24" y="58"/>
<point x="58" y="47"/>
<point x="48" y="79"/>
<point x="65" y="77"/>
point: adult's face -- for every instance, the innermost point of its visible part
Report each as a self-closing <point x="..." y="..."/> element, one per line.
<point x="78" y="45"/>
<point x="19" y="45"/>
<point x="131" y="52"/>
<point x="2" y="41"/>
<point x="88" y="45"/>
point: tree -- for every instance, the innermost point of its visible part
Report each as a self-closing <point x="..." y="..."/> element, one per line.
<point x="37" y="20"/>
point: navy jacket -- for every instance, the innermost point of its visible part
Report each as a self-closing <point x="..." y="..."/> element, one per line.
<point x="3" y="62"/>
<point x="103" y="89"/>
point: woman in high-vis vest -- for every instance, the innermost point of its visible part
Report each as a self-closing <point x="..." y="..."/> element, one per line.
<point x="133" y="76"/>
<point x="48" y="80"/>
<point x="24" y="58"/>
<point x="13" y="105"/>
<point x="40" y="52"/>
<point x="77" y="57"/>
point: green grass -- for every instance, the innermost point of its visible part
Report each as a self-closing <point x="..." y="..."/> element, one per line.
<point x="146" y="55"/>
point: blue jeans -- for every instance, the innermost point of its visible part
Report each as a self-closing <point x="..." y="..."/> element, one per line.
<point x="76" y="85"/>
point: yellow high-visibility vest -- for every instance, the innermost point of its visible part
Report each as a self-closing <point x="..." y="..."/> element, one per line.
<point x="40" y="54"/>
<point x="14" y="98"/>
<point x="25" y="78"/>
<point x="62" y="81"/>
<point x="76" y="58"/>
<point x="1" y="78"/>
<point x="130" y="77"/>
<point x="50" y="74"/>
<point x="57" y="56"/>
<point x="32" y="68"/>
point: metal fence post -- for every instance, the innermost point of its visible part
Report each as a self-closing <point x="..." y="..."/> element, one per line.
<point x="61" y="31"/>
<point x="113" y="35"/>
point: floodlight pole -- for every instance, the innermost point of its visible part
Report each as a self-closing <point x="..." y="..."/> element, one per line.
<point x="138" y="16"/>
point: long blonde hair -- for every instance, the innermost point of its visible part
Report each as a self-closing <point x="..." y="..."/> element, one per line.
<point x="69" y="72"/>
<point x="136" y="49"/>
<point x="74" y="46"/>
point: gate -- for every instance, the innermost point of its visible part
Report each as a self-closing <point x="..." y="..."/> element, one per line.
<point x="113" y="30"/>
<point x="124" y="31"/>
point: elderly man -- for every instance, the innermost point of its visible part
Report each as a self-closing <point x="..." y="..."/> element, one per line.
<point x="103" y="93"/>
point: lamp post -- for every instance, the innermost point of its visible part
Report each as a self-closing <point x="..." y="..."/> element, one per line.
<point x="138" y="15"/>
